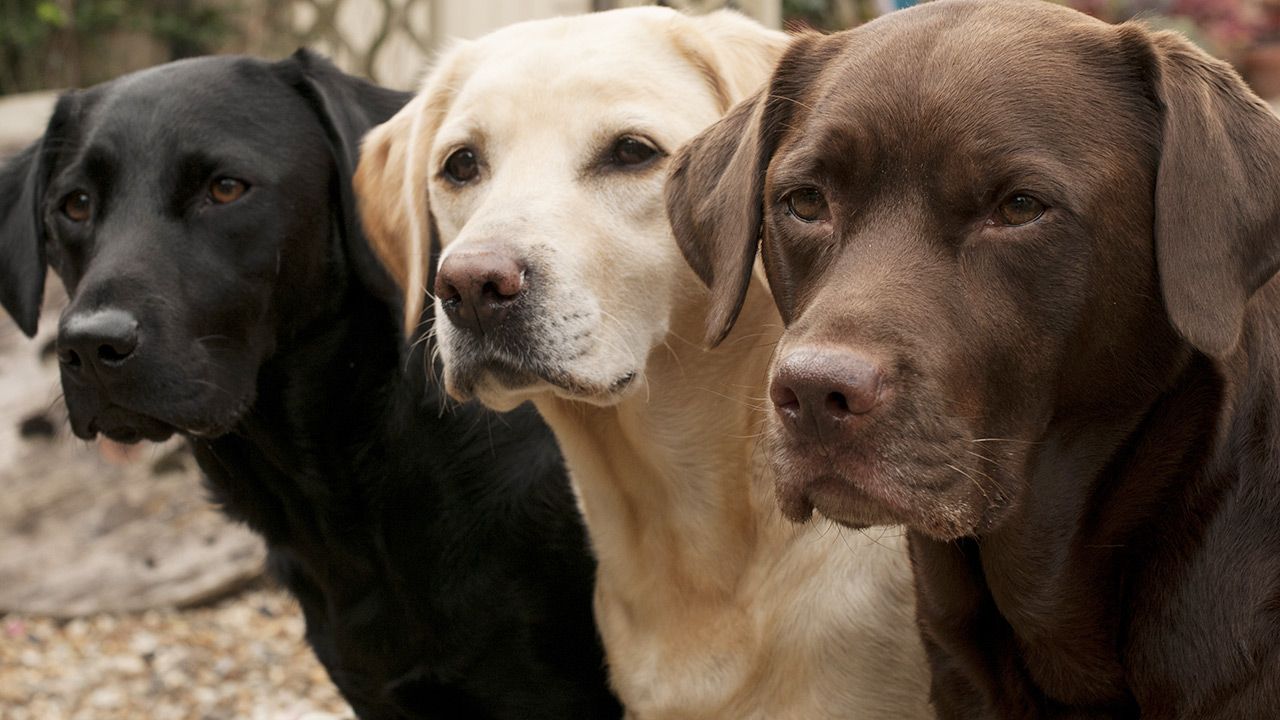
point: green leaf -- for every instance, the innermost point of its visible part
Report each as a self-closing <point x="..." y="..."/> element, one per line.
<point x="51" y="14"/>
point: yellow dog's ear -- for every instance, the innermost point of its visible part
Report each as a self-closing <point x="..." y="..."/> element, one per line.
<point x="391" y="186"/>
<point x="1217" y="235"/>
<point x="733" y="52"/>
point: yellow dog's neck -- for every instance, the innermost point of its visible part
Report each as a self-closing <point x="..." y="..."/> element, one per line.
<point x="672" y="480"/>
<point x="709" y="602"/>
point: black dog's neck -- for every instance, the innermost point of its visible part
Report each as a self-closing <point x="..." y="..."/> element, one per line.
<point x="336" y="401"/>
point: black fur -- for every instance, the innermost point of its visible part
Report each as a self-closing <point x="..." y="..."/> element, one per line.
<point x="435" y="548"/>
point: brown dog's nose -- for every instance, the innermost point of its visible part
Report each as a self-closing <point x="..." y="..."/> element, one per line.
<point x="477" y="287"/>
<point x="821" y="391"/>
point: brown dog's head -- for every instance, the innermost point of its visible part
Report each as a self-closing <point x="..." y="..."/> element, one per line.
<point x="987" y="226"/>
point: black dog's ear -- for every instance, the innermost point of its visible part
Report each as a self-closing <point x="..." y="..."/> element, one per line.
<point x="715" y="193"/>
<point x="22" y="238"/>
<point x="347" y="107"/>
<point x="1217" y="198"/>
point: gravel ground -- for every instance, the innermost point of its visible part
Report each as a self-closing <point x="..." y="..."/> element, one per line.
<point x="242" y="658"/>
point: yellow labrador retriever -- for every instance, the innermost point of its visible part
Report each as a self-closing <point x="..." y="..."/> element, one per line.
<point x="537" y="157"/>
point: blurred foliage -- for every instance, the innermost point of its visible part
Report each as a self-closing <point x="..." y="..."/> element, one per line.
<point x="68" y="43"/>
<point x="1243" y="32"/>
<point x="1224" y="27"/>
<point x="828" y="14"/>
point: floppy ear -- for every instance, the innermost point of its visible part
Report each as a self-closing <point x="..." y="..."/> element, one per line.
<point x="391" y="185"/>
<point x="1217" y="198"/>
<point x="715" y="193"/>
<point x="714" y="202"/>
<point x="22" y="238"/>
<point x="733" y="52"/>
<point x="347" y="107"/>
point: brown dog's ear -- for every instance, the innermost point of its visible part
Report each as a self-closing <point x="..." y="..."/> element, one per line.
<point x="391" y="186"/>
<point x="714" y="202"/>
<point x="715" y="193"/>
<point x="1217" y="199"/>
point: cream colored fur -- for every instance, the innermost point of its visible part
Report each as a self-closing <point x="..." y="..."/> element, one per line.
<point x="710" y="605"/>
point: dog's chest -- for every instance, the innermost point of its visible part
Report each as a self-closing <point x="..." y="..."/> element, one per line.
<point x="1028" y="645"/>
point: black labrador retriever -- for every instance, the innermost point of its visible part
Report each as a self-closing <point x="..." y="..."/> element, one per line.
<point x="201" y="217"/>
<point x="1025" y="260"/>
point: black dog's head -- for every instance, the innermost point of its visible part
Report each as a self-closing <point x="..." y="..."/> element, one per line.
<point x="197" y="213"/>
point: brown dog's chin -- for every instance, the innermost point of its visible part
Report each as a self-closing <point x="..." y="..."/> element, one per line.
<point x="857" y="493"/>
<point x="833" y="497"/>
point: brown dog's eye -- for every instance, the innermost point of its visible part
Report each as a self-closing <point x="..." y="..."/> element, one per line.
<point x="78" y="206"/>
<point x="807" y="205"/>
<point x="462" y="166"/>
<point x="227" y="190"/>
<point x="1019" y="209"/>
<point x="629" y="151"/>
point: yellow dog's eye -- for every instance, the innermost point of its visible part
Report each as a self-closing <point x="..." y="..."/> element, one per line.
<point x="462" y="166"/>
<point x="807" y="205"/>
<point x="78" y="206"/>
<point x="1018" y="209"/>
<point x="629" y="151"/>
<point x="227" y="190"/>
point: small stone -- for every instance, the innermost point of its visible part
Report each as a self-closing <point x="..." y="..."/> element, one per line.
<point x="143" y="643"/>
<point x="106" y="698"/>
<point x="229" y="660"/>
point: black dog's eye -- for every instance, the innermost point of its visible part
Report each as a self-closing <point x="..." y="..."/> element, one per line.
<point x="807" y="205"/>
<point x="1018" y="209"/>
<point x="78" y="206"/>
<point x="629" y="152"/>
<point x="227" y="190"/>
<point x="462" y="166"/>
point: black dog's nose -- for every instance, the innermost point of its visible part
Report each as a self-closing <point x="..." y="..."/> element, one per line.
<point x="102" y="338"/>
<point x="821" y="392"/>
<point x="477" y="287"/>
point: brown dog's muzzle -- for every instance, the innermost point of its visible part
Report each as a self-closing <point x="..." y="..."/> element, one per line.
<point x="826" y="400"/>
<point x="862" y="433"/>
<point x="477" y="287"/>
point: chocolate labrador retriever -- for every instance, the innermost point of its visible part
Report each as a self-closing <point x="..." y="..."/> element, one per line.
<point x="1024" y="259"/>
<point x="201" y="217"/>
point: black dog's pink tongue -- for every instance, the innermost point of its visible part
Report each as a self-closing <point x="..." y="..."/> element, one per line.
<point x="119" y="453"/>
<point x="794" y="503"/>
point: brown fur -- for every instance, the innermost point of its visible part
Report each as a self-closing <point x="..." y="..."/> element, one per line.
<point x="1079" y="416"/>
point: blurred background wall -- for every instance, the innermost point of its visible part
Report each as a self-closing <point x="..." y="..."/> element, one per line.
<point x="72" y="43"/>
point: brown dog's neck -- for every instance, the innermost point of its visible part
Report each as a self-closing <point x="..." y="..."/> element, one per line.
<point x="1087" y="559"/>
<point x="671" y="479"/>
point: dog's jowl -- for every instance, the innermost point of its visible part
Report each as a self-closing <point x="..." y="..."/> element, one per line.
<point x="201" y="217"/>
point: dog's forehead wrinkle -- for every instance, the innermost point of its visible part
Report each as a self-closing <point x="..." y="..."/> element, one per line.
<point x="1008" y="96"/>
<point x="607" y="95"/>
